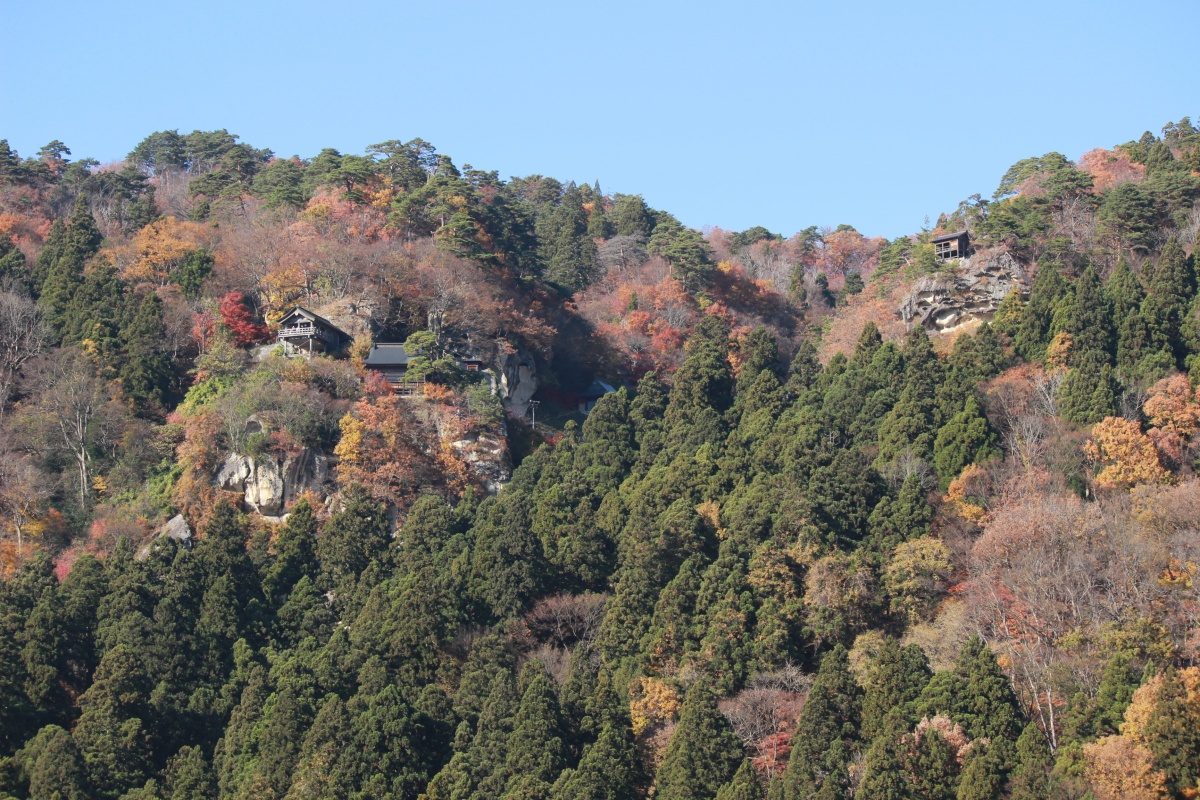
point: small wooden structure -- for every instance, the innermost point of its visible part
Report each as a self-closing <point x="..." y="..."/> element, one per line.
<point x="301" y="332"/>
<point x="951" y="246"/>
<point x="391" y="360"/>
<point x="591" y="395"/>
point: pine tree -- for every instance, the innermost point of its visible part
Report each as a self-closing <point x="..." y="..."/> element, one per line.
<point x="189" y="776"/>
<point x="54" y="766"/>
<point x="631" y="216"/>
<point x="537" y="750"/>
<point x="1090" y="317"/>
<point x="1030" y="778"/>
<point x="703" y="754"/>
<point x="894" y="683"/>
<point x="566" y="249"/>
<point x="933" y="767"/>
<point x="354" y="538"/>
<point x="608" y="770"/>
<point x="967" y="438"/>
<point x="110" y="733"/>
<point x="984" y="773"/>
<point x="831" y="716"/>
<point x="804" y="368"/>
<point x="744" y="785"/>
<point x="1172" y="733"/>
<point x="598" y="224"/>
<point x="901" y="518"/>
<point x="1171" y="284"/>
<point x="295" y="555"/>
<point x="987" y="707"/>
<point x="1088" y="393"/>
<point x="1123" y="293"/>
<point x="907" y="428"/>
<point x="884" y="773"/>
<point x="146" y="371"/>
<point x="1032" y="334"/>
<point x="12" y="264"/>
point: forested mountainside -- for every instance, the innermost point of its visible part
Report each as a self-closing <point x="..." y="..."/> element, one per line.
<point x="814" y="545"/>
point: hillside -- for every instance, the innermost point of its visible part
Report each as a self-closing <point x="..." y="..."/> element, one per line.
<point x="856" y="520"/>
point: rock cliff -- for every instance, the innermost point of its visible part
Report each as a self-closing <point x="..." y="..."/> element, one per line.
<point x="270" y="484"/>
<point x="972" y="292"/>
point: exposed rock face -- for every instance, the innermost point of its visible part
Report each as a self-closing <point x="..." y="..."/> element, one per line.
<point x="177" y="529"/>
<point x="487" y="456"/>
<point x="516" y="381"/>
<point x="268" y="484"/>
<point x="973" y="292"/>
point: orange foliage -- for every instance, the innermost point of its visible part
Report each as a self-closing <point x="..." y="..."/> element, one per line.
<point x="1172" y="404"/>
<point x="385" y="448"/>
<point x="157" y="249"/>
<point x="1118" y="769"/>
<point x="1124" y="455"/>
<point x="1109" y="168"/>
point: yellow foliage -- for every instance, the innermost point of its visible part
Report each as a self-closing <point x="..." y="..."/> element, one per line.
<point x="1119" y="769"/>
<point x="1141" y="707"/>
<point x="959" y="498"/>
<point x="157" y="249"/>
<point x="654" y="701"/>
<point x="350" y="447"/>
<point x="1126" y="457"/>
<point x="1058" y="351"/>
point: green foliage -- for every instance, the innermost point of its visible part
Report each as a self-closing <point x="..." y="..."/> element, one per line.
<point x="703" y="754"/>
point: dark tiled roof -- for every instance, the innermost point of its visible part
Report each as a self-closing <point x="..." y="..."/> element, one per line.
<point x="388" y="355"/>
<point x="598" y="389"/>
<point x="946" y="237"/>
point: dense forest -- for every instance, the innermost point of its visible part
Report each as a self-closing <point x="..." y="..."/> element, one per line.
<point x="805" y="549"/>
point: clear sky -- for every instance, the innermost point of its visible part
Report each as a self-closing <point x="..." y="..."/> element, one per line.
<point x="734" y="114"/>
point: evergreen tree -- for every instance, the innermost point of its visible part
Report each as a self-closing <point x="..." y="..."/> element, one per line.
<point x="967" y="438"/>
<point x="1123" y="293"/>
<point x="893" y="685"/>
<point x="933" y="768"/>
<point x="1172" y="283"/>
<point x="884" y="774"/>
<point x="146" y="372"/>
<point x="907" y="428"/>
<point x="744" y="785"/>
<point x="295" y="556"/>
<point x="54" y="767"/>
<point x="608" y="769"/>
<point x="1032" y="334"/>
<point x="566" y="249"/>
<point x="631" y="216"/>
<point x="1030" y="778"/>
<point x="1088" y="393"/>
<point x="598" y="224"/>
<point x="111" y="734"/>
<point x="1089" y="318"/>
<point x="703" y="754"/>
<point x="355" y="537"/>
<point x="12" y="264"/>
<point x="537" y="750"/>
<point x="829" y="720"/>
<point x="1172" y="734"/>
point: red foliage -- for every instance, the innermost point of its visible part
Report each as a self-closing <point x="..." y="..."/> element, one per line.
<point x="241" y="322"/>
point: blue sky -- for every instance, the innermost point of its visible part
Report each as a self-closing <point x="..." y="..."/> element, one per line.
<point x="735" y="114"/>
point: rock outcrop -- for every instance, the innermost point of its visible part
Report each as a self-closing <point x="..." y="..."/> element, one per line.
<point x="269" y="484"/>
<point x="516" y="380"/>
<point x="176" y="528"/>
<point x="973" y="292"/>
<point x="487" y="456"/>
